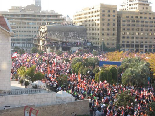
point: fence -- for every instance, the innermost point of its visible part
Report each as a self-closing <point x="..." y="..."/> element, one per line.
<point x="23" y="91"/>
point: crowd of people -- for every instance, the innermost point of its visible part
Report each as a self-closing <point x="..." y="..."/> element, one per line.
<point x="102" y="96"/>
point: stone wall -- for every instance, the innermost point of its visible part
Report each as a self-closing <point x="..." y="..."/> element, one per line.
<point x="38" y="99"/>
<point x="78" y="107"/>
<point x="5" y="60"/>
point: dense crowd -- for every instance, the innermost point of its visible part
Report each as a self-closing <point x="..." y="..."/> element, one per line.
<point x="102" y="96"/>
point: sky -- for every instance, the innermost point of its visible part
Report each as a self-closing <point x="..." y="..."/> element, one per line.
<point x="64" y="7"/>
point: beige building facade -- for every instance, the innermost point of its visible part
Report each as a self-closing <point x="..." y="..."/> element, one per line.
<point x="136" y="31"/>
<point x="101" y="24"/>
<point x="25" y="22"/>
<point x="136" y="26"/>
<point x="136" y="5"/>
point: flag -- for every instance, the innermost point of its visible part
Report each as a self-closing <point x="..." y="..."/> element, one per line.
<point x="52" y="71"/>
<point x="48" y="69"/>
<point x="14" y="55"/>
<point x="79" y="77"/>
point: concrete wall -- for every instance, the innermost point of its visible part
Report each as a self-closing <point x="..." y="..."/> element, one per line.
<point x="79" y="107"/>
<point x="5" y="60"/>
<point x="39" y="99"/>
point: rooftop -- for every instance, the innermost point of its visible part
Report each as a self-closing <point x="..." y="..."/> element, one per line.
<point x="3" y="23"/>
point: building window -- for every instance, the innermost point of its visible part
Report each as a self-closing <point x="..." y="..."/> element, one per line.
<point x="136" y="16"/>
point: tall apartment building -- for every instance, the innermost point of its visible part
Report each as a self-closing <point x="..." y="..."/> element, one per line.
<point x="136" y="31"/>
<point x="25" y="23"/>
<point x="37" y="2"/>
<point x="136" y="5"/>
<point x="136" y="27"/>
<point x="101" y="24"/>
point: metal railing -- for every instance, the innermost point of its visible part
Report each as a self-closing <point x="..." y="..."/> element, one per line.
<point x="25" y="91"/>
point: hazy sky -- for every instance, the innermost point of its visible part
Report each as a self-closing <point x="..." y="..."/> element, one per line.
<point x="64" y="7"/>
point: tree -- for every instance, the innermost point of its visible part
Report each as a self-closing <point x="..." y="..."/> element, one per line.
<point x="21" y="51"/>
<point x="91" y="62"/>
<point x="95" y="53"/>
<point x="21" y="71"/>
<point x="75" y="60"/>
<point x="86" y="71"/>
<point x="135" y="71"/>
<point x="62" y="80"/>
<point x="103" y="75"/>
<point x="30" y="72"/>
<point x="34" y="50"/>
<point x="81" y="69"/>
<point x="96" y="70"/>
<point x="76" y="67"/>
<point x="150" y="58"/>
<point x="97" y="77"/>
<point x="26" y="83"/>
<point x="113" y="71"/>
<point x="125" y="99"/>
<point x="18" y="50"/>
<point x="104" y="48"/>
<point x="151" y="109"/>
<point x="118" y="56"/>
<point x="38" y="76"/>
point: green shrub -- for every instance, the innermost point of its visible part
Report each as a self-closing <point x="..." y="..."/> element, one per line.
<point x="26" y="83"/>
